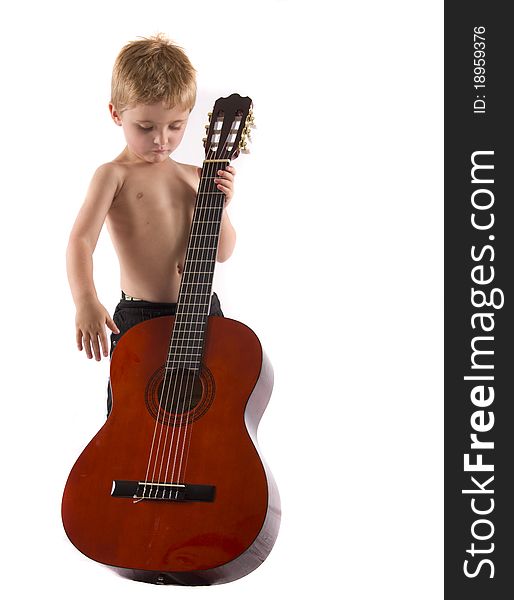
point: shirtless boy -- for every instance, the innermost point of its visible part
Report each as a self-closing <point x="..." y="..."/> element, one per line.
<point x="145" y="197"/>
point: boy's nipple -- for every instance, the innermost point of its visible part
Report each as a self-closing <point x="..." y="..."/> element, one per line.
<point x="139" y="195"/>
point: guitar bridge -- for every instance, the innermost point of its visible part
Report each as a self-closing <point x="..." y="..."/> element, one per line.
<point x="166" y="492"/>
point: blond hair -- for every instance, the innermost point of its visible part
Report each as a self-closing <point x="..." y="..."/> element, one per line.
<point x="151" y="70"/>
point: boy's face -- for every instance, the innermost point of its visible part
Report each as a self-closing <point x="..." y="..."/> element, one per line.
<point x="152" y="131"/>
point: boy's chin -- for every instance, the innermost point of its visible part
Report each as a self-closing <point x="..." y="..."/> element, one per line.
<point x="157" y="157"/>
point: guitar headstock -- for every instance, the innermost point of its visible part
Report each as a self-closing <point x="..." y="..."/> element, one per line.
<point x="228" y="131"/>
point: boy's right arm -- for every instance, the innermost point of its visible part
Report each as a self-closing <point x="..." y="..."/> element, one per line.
<point x="91" y="316"/>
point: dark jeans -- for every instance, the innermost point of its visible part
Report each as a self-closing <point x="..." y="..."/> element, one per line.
<point x="131" y="312"/>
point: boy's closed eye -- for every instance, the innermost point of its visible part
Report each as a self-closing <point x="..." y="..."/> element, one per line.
<point x="172" y="127"/>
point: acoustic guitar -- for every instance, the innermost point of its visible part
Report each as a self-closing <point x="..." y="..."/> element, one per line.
<point x="173" y="489"/>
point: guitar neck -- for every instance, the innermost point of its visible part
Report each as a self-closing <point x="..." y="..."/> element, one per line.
<point x="196" y="283"/>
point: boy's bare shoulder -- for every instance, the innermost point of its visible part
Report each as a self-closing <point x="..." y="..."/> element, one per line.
<point x="112" y="174"/>
<point x="110" y="169"/>
<point x="189" y="170"/>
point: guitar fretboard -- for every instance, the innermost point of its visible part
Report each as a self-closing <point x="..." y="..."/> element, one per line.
<point x="193" y="305"/>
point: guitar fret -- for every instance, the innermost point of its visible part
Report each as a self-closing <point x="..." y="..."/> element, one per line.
<point x="175" y="354"/>
<point x="190" y="364"/>
<point x="201" y="261"/>
<point x="199" y="264"/>
<point x="193" y="346"/>
<point x="192" y="308"/>
<point x="183" y="356"/>
<point x="192" y="322"/>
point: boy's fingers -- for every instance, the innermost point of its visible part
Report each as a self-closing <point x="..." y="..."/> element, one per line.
<point x="96" y="347"/>
<point x="87" y="346"/>
<point x="103" y="342"/>
<point x="112" y="325"/>
<point x="226" y="175"/>
<point x="224" y="188"/>
<point x="78" y="338"/>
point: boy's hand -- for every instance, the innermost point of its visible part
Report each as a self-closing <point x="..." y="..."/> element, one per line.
<point x="225" y="182"/>
<point x="90" y="329"/>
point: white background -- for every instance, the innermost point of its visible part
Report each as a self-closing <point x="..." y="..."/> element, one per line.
<point x="337" y="268"/>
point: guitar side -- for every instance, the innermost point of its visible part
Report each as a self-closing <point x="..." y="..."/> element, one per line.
<point x="190" y="543"/>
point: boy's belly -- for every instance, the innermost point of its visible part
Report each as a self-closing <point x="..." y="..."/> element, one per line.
<point x="151" y="279"/>
<point x="151" y="249"/>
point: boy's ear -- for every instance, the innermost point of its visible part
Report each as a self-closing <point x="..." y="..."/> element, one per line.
<point x="114" y="114"/>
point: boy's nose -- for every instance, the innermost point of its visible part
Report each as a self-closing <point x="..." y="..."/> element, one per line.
<point x="160" y="139"/>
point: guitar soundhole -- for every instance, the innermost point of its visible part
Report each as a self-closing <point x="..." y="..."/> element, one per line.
<point x="180" y="397"/>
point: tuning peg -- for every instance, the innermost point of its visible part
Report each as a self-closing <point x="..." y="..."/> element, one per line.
<point x="209" y="114"/>
<point x="243" y="147"/>
<point x="207" y="127"/>
<point x="250" y="120"/>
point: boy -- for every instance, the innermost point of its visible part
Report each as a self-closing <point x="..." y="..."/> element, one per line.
<point x="145" y="198"/>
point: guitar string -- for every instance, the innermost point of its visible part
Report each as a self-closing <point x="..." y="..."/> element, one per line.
<point x="178" y="349"/>
<point x="211" y="222"/>
<point x="164" y="405"/>
<point x="187" y="438"/>
<point x="193" y="310"/>
<point x="204" y="266"/>
<point x="181" y="350"/>
<point x="189" y="374"/>
<point x="235" y="125"/>
<point x="215" y="215"/>
<point x="168" y="372"/>
<point x="208" y="258"/>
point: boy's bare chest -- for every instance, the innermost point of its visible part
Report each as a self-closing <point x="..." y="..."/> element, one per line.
<point x="162" y="201"/>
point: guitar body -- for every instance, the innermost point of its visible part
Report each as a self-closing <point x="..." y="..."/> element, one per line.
<point x="190" y="542"/>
